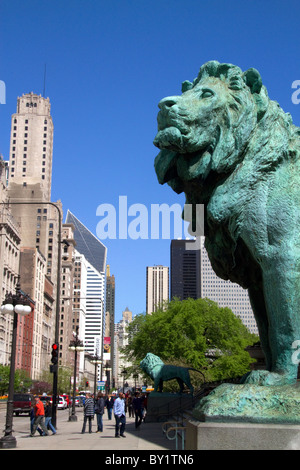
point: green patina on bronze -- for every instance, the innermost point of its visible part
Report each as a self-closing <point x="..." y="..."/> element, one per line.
<point x="226" y="145"/>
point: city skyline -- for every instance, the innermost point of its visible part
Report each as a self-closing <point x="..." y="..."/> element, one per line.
<point x="107" y="67"/>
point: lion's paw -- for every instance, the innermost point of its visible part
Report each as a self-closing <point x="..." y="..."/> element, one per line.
<point x="265" y="377"/>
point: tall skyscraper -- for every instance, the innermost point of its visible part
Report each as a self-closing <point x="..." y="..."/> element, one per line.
<point x="121" y="340"/>
<point x="157" y="287"/>
<point x="192" y="276"/>
<point x="30" y="176"/>
<point x="29" y="193"/>
<point x="110" y="318"/>
<point x="185" y="270"/>
<point x="226" y="293"/>
<point x="95" y="255"/>
<point x="31" y="143"/>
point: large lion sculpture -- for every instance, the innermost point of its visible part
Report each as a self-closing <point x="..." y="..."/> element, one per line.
<point x="227" y="146"/>
<point x="161" y="372"/>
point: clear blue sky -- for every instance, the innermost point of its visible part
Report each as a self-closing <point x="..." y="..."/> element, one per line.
<point x="108" y="65"/>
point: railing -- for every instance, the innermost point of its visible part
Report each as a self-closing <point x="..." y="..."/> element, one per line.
<point x="179" y="432"/>
<point x="178" y="405"/>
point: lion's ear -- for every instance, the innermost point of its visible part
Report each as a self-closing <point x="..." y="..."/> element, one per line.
<point x="186" y="86"/>
<point x="253" y="79"/>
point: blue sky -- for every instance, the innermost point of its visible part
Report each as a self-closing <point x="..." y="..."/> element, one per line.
<point x="108" y="65"/>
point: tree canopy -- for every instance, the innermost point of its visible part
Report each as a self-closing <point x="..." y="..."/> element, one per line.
<point x="197" y="333"/>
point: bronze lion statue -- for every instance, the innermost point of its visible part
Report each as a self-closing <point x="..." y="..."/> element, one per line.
<point x="160" y="372"/>
<point x="227" y="146"/>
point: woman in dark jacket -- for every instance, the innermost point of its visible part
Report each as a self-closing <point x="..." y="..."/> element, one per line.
<point x="99" y="410"/>
<point x="89" y="411"/>
<point x="109" y="403"/>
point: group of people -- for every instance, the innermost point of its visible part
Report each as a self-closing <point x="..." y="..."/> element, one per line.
<point x="136" y="407"/>
<point x="40" y="418"/>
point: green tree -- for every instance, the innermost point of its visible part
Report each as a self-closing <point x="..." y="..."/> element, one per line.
<point x="22" y="380"/>
<point x="197" y="333"/>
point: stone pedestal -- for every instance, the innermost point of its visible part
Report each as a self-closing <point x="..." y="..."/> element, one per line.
<point x="162" y="406"/>
<point x="241" y="436"/>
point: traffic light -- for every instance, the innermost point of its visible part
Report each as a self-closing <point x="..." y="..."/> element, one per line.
<point x="54" y="355"/>
<point x="87" y="383"/>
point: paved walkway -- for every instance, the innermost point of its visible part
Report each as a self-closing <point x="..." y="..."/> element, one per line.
<point x="148" y="436"/>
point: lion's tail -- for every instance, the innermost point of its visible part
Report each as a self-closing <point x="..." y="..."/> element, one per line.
<point x="196" y="370"/>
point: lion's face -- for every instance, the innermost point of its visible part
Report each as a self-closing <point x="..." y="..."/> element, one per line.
<point x="187" y="123"/>
<point x="149" y="362"/>
<point x="203" y="130"/>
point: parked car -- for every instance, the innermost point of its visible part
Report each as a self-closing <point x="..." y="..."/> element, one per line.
<point x="61" y="404"/>
<point x="78" y="401"/>
<point x="44" y="398"/>
<point x="66" y="397"/>
<point x="22" y="403"/>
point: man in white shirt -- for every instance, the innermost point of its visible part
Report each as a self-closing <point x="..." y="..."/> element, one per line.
<point x="119" y="412"/>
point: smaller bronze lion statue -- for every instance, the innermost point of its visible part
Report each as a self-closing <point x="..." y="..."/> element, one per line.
<point x="160" y="372"/>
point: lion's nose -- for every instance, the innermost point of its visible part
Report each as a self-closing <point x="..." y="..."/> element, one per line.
<point x="168" y="102"/>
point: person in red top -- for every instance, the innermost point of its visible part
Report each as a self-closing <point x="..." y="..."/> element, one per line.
<point x="39" y="417"/>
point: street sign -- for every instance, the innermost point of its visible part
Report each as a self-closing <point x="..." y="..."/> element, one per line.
<point x="100" y="385"/>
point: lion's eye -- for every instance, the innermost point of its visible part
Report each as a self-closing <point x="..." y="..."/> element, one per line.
<point x="207" y="93"/>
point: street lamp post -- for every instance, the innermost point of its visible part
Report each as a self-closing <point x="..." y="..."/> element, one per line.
<point x="75" y="345"/>
<point x="124" y="372"/>
<point x="135" y="376"/>
<point x="107" y="373"/>
<point x="96" y="360"/>
<point x="55" y="370"/>
<point x="17" y="304"/>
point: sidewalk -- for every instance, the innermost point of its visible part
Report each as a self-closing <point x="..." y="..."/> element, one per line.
<point x="148" y="436"/>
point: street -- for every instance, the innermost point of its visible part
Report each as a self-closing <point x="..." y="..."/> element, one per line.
<point x="148" y="436"/>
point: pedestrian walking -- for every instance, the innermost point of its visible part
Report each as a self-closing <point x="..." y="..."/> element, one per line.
<point x="89" y="411"/>
<point x="130" y="407"/>
<point x="119" y="413"/>
<point x="99" y="410"/>
<point x="137" y="407"/>
<point x="32" y="418"/>
<point x="48" y="416"/>
<point x="109" y="403"/>
<point x="39" y="417"/>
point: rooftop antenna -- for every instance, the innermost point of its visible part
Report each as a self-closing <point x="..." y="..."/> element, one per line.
<point x="44" y="82"/>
